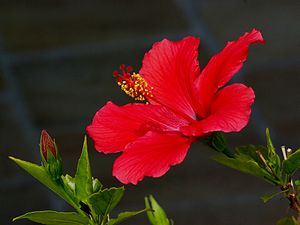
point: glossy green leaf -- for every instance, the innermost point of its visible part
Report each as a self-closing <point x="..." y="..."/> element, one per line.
<point x="289" y="220"/>
<point x="104" y="201"/>
<point x="265" y="198"/>
<point x="41" y="175"/>
<point x="50" y="217"/>
<point x="157" y="216"/>
<point x="124" y="216"/>
<point x="83" y="177"/>
<point x="292" y="163"/>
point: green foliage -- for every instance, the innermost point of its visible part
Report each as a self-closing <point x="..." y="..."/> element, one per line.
<point x="272" y="158"/>
<point x="265" y="198"/>
<point x="92" y="203"/>
<point x="292" y="163"/>
<point x="41" y="175"/>
<point x="104" y="201"/>
<point x="124" y="216"/>
<point x="217" y="142"/>
<point x="157" y="216"/>
<point x="246" y="161"/>
<point x="289" y="220"/>
<point x="83" y="177"/>
<point x="264" y="162"/>
<point x="50" y="217"/>
<point x="260" y="161"/>
<point x="53" y="167"/>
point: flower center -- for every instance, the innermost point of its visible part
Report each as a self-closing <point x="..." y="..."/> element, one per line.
<point x="133" y="84"/>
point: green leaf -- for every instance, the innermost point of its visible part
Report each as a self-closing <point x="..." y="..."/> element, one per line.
<point x="96" y="185"/>
<point x="124" y="216"/>
<point x="217" y="142"/>
<point x="244" y="164"/>
<point x="104" y="201"/>
<point x="288" y="220"/>
<point x="297" y="182"/>
<point x="265" y="198"/>
<point x="251" y="152"/>
<point x="292" y="163"/>
<point x="40" y="174"/>
<point x="158" y="215"/>
<point x="69" y="185"/>
<point x="272" y="157"/>
<point x="83" y="177"/>
<point x="269" y="142"/>
<point x="50" y="217"/>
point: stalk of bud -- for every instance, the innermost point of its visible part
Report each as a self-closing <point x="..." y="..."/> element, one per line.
<point x="51" y="159"/>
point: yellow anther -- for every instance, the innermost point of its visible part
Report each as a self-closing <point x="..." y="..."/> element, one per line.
<point x="133" y="84"/>
<point x="136" y="87"/>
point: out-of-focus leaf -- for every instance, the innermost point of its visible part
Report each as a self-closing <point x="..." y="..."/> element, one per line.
<point x="289" y="220"/>
<point x="83" y="177"/>
<point x="50" y="217"/>
<point x="104" y="201"/>
<point x="157" y="216"/>
<point x="124" y="216"/>
<point x="292" y="163"/>
<point x="265" y="198"/>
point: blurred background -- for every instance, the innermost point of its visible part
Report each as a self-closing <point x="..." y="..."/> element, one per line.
<point x="56" y="63"/>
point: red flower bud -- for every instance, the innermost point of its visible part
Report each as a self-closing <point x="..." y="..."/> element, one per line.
<point x="47" y="144"/>
<point x="51" y="159"/>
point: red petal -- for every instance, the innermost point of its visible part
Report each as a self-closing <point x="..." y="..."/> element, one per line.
<point x="151" y="155"/>
<point x="230" y="111"/>
<point x="115" y="126"/>
<point x="222" y="67"/>
<point x="170" y="68"/>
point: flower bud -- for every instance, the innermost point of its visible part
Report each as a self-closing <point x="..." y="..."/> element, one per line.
<point x="47" y="144"/>
<point x="51" y="159"/>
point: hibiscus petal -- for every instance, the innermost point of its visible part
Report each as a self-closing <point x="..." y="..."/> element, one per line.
<point x="222" y="67"/>
<point x="170" y="68"/>
<point x="151" y="155"/>
<point x="115" y="126"/>
<point x="230" y="111"/>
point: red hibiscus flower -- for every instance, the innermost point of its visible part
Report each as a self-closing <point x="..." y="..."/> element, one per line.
<point x="184" y="105"/>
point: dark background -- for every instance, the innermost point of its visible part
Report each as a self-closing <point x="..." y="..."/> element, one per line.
<point x="57" y="58"/>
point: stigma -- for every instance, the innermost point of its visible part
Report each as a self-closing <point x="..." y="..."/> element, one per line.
<point x="133" y="84"/>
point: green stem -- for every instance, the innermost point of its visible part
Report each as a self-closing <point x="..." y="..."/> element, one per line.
<point x="105" y="219"/>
